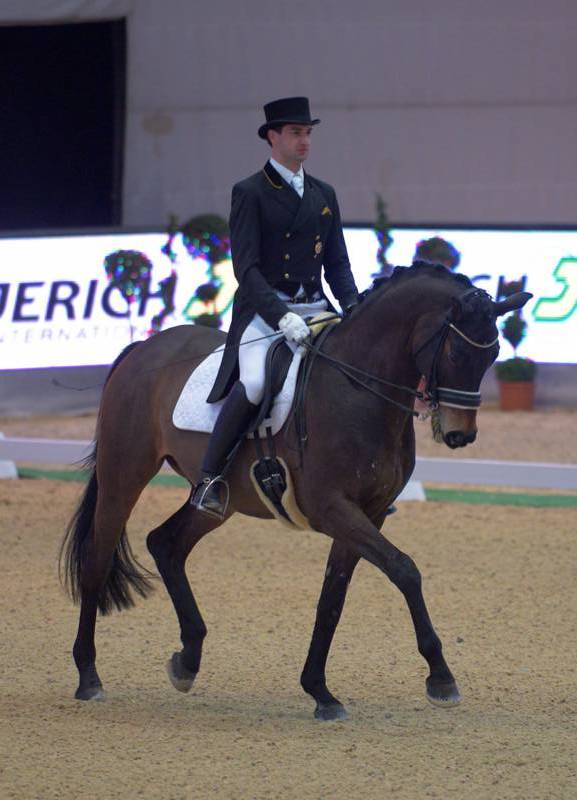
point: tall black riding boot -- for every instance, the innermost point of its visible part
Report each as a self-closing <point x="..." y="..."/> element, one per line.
<point x="211" y="493"/>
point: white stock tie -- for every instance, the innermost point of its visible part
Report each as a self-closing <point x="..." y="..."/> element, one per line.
<point x="298" y="184"/>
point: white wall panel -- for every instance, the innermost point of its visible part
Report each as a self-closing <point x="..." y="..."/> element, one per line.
<point x="486" y="165"/>
<point x="456" y="111"/>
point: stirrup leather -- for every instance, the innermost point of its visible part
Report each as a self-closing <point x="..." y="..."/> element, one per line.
<point x="207" y="496"/>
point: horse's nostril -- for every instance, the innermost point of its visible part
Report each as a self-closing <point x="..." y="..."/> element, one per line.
<point x="455" y="439"/>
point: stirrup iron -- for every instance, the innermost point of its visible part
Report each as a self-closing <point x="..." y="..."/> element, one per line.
<point x="211" y="496"/>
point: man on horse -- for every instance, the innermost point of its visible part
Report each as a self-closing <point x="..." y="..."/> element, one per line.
<point x="285" y="226"/>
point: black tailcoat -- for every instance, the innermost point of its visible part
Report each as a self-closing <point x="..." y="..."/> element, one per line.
<point x="277" y="236"/>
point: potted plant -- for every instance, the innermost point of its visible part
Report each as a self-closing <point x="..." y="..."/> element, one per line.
<point x="516" y="376"/>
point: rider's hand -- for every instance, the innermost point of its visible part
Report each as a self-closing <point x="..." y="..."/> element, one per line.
<point x="294" y="328"/>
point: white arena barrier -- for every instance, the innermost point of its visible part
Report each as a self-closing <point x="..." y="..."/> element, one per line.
<point x="7" y="468"/>
<point x="430" y="470"/>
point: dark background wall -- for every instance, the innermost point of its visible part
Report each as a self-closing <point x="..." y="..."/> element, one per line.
<point x="62" y="93"/>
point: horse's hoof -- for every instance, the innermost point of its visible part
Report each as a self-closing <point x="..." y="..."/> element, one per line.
<point x="443" y="695"/>
<point x="330" y="712"/>
<point x="90" y="693"/>
<point x="180" y="677"/>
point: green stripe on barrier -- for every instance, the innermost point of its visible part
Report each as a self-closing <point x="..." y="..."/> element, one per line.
<point x="82" y="477"/>
<point x="434" y="495"/>
<point x="502" y="498"/>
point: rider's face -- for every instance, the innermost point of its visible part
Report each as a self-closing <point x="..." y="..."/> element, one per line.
<point x="291" y="145"/>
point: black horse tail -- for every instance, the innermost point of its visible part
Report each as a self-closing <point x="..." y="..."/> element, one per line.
<point x="125" y="574"/>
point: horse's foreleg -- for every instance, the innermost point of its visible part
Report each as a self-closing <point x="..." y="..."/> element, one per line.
<point x="170" y="544"/>
<point x="347" y="523"/>
<point x="340" y="566"/>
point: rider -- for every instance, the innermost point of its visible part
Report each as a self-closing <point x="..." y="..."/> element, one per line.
<point x="284" y="226"/>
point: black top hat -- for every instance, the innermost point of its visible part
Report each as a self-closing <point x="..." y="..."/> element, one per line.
<point x="285" y="111"/>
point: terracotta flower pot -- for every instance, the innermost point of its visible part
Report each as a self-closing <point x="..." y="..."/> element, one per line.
<point x="516" y="395"/>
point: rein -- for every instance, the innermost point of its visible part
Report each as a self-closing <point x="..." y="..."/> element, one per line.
<point x="297" y="415"/>
<point x="435" y="396"/>
<point x="349" y="370"/>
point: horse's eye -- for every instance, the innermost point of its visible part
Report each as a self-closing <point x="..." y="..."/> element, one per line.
<point x="456" y="357"/>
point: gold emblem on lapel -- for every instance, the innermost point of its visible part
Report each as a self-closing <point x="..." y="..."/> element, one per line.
<point x="326" y="210"/>
<point x="318" y="248"/>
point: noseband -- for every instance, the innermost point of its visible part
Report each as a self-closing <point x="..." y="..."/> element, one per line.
<point x="443" y="395"/>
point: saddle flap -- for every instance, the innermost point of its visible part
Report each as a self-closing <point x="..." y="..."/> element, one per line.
<point x="278" y="360"/>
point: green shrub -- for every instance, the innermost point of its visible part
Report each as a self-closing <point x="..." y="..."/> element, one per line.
<point x="516" y="369"/>
<point x="513" y="329"/>
<point x="207" y="236"/>
<point x="208" y="320"/>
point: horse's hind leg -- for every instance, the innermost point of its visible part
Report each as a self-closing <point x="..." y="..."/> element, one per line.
<point x="109" y="524"/>
<point x="340" y="567"/>
<point x="170" y="545"/>
<point x="84" y="650"/>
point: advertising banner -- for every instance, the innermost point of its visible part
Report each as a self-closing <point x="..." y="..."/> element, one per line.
<point x="60" y="307"/>
<point x="545" y="262"/>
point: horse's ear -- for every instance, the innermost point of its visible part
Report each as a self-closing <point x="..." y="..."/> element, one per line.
<point x="511" y="303"/>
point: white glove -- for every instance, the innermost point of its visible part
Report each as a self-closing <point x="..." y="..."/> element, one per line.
<point x="294" y="328"/>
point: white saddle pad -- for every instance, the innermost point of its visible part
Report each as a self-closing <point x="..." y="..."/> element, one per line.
<point x="193" y="413"/>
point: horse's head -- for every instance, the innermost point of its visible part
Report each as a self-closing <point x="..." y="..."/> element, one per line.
<point x="454" y="351"/>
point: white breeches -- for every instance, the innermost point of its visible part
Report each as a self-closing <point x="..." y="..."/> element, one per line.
<point x="252" y="354"/>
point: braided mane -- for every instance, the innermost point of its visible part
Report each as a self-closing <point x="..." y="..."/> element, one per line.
<point x="416" y="268"/>
<point x="401" y="274"/>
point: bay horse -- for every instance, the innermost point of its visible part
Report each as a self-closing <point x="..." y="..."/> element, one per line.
<point x="359" y="454"/>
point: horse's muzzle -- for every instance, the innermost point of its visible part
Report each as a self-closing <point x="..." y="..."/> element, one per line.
<point x="454" y="439"/>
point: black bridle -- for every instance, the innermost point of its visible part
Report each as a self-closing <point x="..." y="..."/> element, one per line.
<point x="435" y="395"/>
<point x="444" y="395"/>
